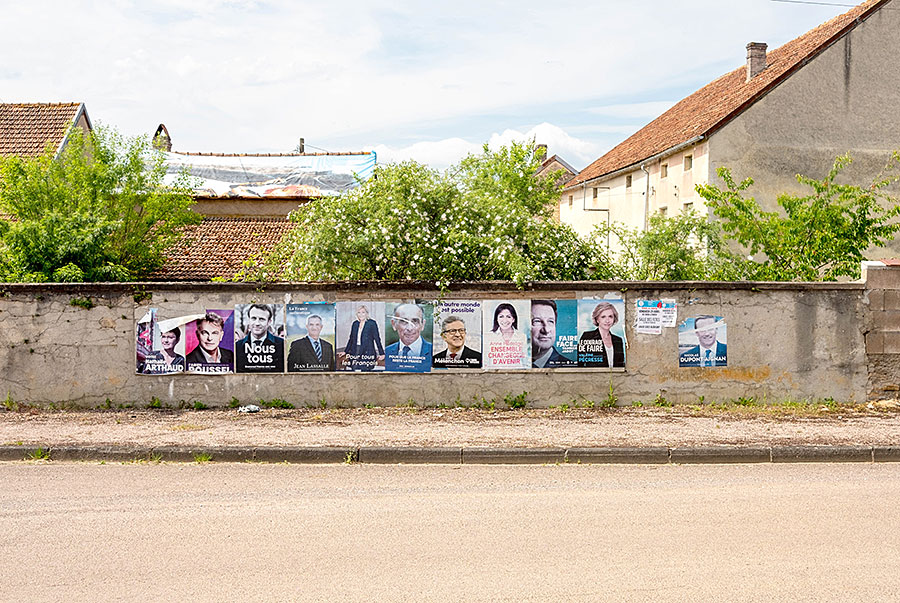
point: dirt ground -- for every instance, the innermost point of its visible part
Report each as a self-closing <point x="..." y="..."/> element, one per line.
<point x="877" y="424"/>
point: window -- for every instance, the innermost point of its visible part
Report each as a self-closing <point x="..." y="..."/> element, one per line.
<point x="570" y="200"/>
<point x="662" y="211"/>
<point x="688" y="207"/>
<point x="595" y="193"/>
<point x="688" y="162"/>
<point x="628" y="181"/>
<point x="664" y="170"/>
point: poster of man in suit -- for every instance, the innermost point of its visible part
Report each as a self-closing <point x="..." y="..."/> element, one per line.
<point x="458" y="324"/>
<point x="310" y="336"/>
<point x="259" y="330"/>
<point x="409" y="337"/>
<point x="210" y="343"/>
<point x="554" y="333"/>
<point x="703" y="341"/>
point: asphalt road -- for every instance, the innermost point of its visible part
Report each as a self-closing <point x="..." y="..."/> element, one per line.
<point x="176" y="532"/>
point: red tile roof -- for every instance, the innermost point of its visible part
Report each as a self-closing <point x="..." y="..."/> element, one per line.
<point x="27" y="128"/>
<point x="714" y="105"/>
<point x="217" y="247"/>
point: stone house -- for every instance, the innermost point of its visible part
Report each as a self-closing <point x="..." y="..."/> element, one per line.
<point x="26" y="129"/>
<point x="788" y="111"/>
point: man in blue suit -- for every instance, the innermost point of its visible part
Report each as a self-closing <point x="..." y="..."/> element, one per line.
<point x="710" y="352"/>
<point x="412" y="354"/>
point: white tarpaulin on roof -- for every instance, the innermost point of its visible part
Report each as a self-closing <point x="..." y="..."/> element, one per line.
<point x="272" y="176"/>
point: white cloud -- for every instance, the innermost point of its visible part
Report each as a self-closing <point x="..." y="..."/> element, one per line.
<point x="649" y="110"/>
<point x="443" y="153"/>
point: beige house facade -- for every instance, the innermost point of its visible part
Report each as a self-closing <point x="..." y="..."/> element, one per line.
<point x="788" y="111"/>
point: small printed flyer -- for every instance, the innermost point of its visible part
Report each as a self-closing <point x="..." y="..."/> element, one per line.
<point x="669" y="313"/>
<point x="649" y="317"/>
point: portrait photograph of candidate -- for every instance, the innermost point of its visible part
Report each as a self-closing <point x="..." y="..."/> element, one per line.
<point x="310" y="329"/>
<point x="360" y="325"/>
<point x="166" y="360"/>
<point x="258" y="348"/>
<point x="210" y="343"/>
<point x="456" y="352"/>
<point x="603" y="345"/>
<point x="544" y="321"/>
<point x="409" y="337"/>
<point x="506" y="344"/>
<point x="710" y="335"/>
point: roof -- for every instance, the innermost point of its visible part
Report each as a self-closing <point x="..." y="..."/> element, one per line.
<point x="271" y="175"/>
<point x="27" y="128"/>
<point x="217" y="247"/>
<point x="716" y="104"/>
<point x="560" y="161"/>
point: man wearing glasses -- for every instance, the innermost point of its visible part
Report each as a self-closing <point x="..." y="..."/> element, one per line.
<point x="412" y="354"/>
<point x="457" y="354"/>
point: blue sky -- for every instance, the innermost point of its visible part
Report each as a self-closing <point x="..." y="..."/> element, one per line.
<point x="421" y="80"/>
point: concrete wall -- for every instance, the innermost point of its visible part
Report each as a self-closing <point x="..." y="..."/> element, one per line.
<point x="786" y="341"/>
<point x="843" y="100"/>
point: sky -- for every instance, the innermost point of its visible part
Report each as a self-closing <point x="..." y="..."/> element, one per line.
<point x="415" y="80"/>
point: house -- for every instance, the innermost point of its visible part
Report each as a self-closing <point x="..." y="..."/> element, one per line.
<point x="788" y="111"/>
<point x="27" y="129"/>
<point x="245" y="199"/>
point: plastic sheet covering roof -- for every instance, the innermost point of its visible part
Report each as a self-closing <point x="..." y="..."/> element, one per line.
<point x="272" y="176"/>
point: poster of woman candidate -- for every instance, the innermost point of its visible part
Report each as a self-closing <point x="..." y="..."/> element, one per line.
<point x="507" y="334"/>
<point x="210" y="343"/>
<point x="457" y="341"/>
<point x="408" y="331"/>
<point x="360" y="336"/>
<point x="259" y="338"/>
<point x="554" y="333"/>
<point x="310" y="337"/>
<point x="601" y="328"/>
<point x="161" y="344"/>
<point x="703" y="341"/>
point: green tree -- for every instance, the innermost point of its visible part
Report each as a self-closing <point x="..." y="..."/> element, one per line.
<point x="487" y="218"/>
<point x="683" y="247"/>
<point x="100" y="211"/>
<point x="820" y="236"/>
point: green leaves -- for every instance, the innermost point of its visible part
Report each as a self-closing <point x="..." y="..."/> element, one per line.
<point x="485" y="219"/>
<point x="100" y="211"/>
<point x="820" y="236"/>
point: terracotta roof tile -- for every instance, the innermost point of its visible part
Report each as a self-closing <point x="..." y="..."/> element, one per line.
<point x="217" y="247"/>
<point x="714" y="105"/>
<point x="27" y="128"/>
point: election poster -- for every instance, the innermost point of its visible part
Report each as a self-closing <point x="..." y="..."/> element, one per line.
<point x="457" y="343"/>
<point x="703" y="341"/>
<point x="506" y="331"/>
<point x="554" y="333"/>
<point x="209" y="343"/>
<point x="310" y="337"/>
<point x="161" y="344"/>
<point x="408" y="333"/>
<point x="259" y="338"/>
<point x="360" y="336"/>
<point x="601" y="327"/>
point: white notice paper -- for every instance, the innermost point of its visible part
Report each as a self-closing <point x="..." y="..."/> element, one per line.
<point x="648" y="318"/>
<point x="669" y="313"/>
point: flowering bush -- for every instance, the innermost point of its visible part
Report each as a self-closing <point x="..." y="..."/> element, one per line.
<point x="488" y="218"/>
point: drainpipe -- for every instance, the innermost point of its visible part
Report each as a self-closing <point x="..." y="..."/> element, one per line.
<point x="646" y="197"/>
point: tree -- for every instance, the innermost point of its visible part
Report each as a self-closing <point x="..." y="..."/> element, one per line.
<point x="100" y="211"/>
<point x="683" y="247"/>
<point x="821" y="236"/>
<point x="487" y="218"/>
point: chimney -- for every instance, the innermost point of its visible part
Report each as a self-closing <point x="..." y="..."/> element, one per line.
<point x="541" y="148"/>
<point x="301" y="147"/>
<point x="756" y="59"/>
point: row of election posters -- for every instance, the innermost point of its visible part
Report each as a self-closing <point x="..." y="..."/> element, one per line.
<point x="412" y="336"/>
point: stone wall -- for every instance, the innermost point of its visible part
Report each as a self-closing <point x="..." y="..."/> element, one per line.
<point x="75" y="343"/>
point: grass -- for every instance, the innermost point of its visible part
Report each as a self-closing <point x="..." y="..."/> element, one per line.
<point x="516" y="402"/>
<point x="275" y="403"/>
<point x="202" y="457"/>
<point x="40" y="454"/>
